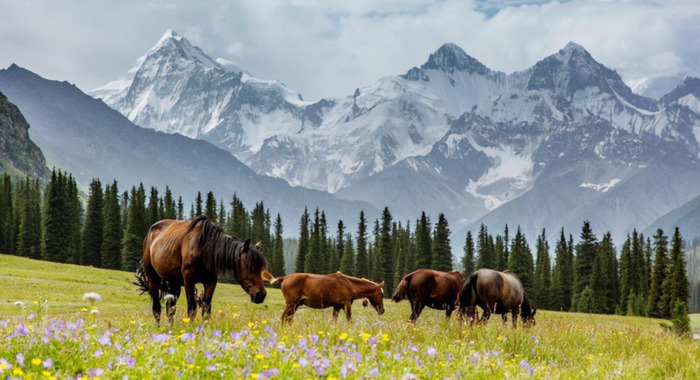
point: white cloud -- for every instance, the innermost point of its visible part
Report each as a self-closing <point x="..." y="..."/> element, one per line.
<point x="328" y="48"/>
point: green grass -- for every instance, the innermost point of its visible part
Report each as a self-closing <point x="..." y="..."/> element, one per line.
<point x="243" y="340"/>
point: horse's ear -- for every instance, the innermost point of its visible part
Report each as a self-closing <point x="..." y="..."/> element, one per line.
<point x="258" y="245"/>
<point x="246" y="245"/>
<point x="381" y="285"/>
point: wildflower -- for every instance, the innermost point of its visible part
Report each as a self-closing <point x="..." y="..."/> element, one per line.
<point x="22" y="329"/>
<point x="303" y="362"/>
<point x="254" y="375"/>
<point x="20" y="359"/>
<point x="36" y="362"/>
<point x="250" y="325"/>
<point x="526" y="366"/>
<point x="431" y="351"/>
<point x="95" y="372"/>
<point x="259" y="356"/>
<point x="366" y="336"/>
<point x="17" y="371"/>
<point x="385" y="337"/>
<point x="46" y="373"/>
<point x="20" y="304"/>
<point x="186" y="320"/>
<point x="343" y="336"/>
<point x="211" y="367"/>
<point x="314" y="338"/>
<point x="94" y="311"/>
<point x="92" y="297"/>
<point x="374" y="372"/>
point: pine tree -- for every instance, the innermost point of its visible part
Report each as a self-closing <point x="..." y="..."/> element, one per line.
<point x="625" y="274"/>
<point x="314" y="259"/>
<point x="676" y="286"/>
<point x="94" y="226"/>
<point x="585" y="258"/>
<point x="135" y="231"/>
<point x="8" y="231"/>
<point x="29" y="214"/>
<point x="386" y="251"/>
<point x="180" y="208"/>
<point x="521" y="261"/>
<point x="542" y="284"/>
<point x="222" y="213"/>
<point x="442" y="251"/>
<point x="325" y="246"/>
<point x="562" y="276"/>
<point x="238" y="225"/>
<point x="337" y="257"/>
<point x="499" y="252"/>
<point x="603" y="298"/>
<point x="423" y="243"/>
<point x="485" y="248"/>
<point x="54" y="220"/>
<point x="170" y="210"/>
<point x="303" y="241"/>
<point x="152" y="209"/>
<point x="112" y="232"/>
<point x="640" y="266"/>
<point x="347" y="262"/>
<point x="410" y="247"/>
<point x="655" y="308"/>
<point x="198" y="205"/>
<point x="277" y="265"/>
<point x="362" y="259"/>
<point x="210" y="208"/>
<point x="468" y="258"/>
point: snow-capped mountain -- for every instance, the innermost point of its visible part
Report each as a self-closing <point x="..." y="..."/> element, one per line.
<point x="450" y="135"/>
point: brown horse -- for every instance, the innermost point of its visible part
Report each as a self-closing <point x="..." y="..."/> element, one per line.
<point x="319" y="291"/>
<point x="426" y="287"/>
<point x="182" y="253"/>
<point x="495" y="292"/>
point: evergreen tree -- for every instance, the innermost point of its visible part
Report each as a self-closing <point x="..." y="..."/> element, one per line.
<point x="336" y="258"/>
<point x="468" y="258"/>
<point x="542" y="283"/>
<point x="362" y="259"/>
<point x="29" y="213"/>
<point x="625" y="274"/>
<point x="180" y="208"/>
<point x="152" y="209"/>
<point x="485" y="249"/>
<point x="442" y="256"/>
<point x="347" y="262"/>
<point x="603" y="299"/>
<point x="410" y="250"/>
<point x="499" y="252"/>
<point x="386" y="251"/>
<point x="238" y="224"/>
<point x="8" y="231"/>
<point x="562" y="276"/>
<point x="210" y="208"/>
<point x="74" y="221"/>
<point x="222" y="213"/>
<point x="55" y="235"/>
<point x="170" y="211"/>
<point x="198" y="205"/>
<point x="94" y="226"/>
<point x="325" y="245"/>
<point x="314" y="259"/>
<point x="277" y="265"/>
<point x="521" y="261"/>
<point x="676" y="286"/>
<point x="423" y="243"/>
<point x="135" y="231"/>
<point x="655" y="308"/>
<point x="585" y="258"/>
<point x="303" y="241"/>
<point x="639" y="266"/>
<point x="680" y="318"/>
<point x="112" y="232"/>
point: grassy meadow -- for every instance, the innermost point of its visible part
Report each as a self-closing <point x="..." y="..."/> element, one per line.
<point x="58" y="335"/>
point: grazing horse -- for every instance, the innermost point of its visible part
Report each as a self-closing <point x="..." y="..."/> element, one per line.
<point x="426" y="287"/>
<point x="495" y="292"/>
<point x="319" y="291"/>
<point x="182" y="253"/>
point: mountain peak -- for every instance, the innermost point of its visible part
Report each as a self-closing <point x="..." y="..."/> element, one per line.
<point x="173" y="44"/>
<point x="450" y="57"/>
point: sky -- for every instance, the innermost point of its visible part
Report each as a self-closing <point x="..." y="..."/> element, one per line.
<point x="324" y="48"/>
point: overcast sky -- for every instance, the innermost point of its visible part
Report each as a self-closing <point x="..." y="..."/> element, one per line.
<point x="325" y="48"/>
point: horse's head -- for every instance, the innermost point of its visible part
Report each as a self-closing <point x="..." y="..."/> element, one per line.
<point x="376" y="298"/>
<point x="527" y="312"/>
<point x="250" y="278"/>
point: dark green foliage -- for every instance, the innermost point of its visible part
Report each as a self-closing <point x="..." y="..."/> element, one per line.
<point x="386" y="251"/>
<point x="8" y="227"/>
<point x="655" y="308"/>
<point x="314" y="258"/>
<point x="409" y="246"/>
<point x="198" y="205"/>
<point x="277" y="258"/>
<point x="347" y="261"/>
<point x="485" y="248"/>
<point x="135" y="231"/>
<point x="222" y="214"/>
<point x="238" y="224"/>
<point x="210" y="208"/>
<point x="152" y="209"/>
<point x="337" y="254"/>
<point x="29" y="215"/>
<point x="61" y="220"/>
<point x="602" y="286"/>
<point x="542" y="284"/>
<point x="180" y="208"/>
<point x="424" y="255"/>
<point x="94" y="226"/>
<point x="632" y="274"/>
<point x="680" y="319"/>
<point x="325" y="245"/>
<point x="112" y="233"/>
<point x="635" y="305"/>
<point x="170" y="210"/>
<point x="585" y="300"/>
<point x="442" y="251"/>
<point x="303" y="241"/>
<point x="562" y="276"/>
<point x="583" y="263"/>
<point x="676" y="285"/>
<point x="521" y="261"/>
<point x="362" y="260"/>
<point x="468" y="258"/>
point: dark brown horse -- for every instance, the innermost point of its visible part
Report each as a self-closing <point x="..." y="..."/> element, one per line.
<point x="426" y="287"/>
<point x="182" y="253"/>
<point x="495" y="292"/>
<point x="319" y="291"/>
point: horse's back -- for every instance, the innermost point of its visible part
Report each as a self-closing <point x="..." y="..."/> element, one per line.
<point x="320" y="290"/>
<point x="163" y="245"/>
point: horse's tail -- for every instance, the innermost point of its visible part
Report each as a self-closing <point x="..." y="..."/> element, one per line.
<point x="402" y="289"/>
<point x="468" y="290"/>
<point x="273" y="280"/>
<point x="269" y="277"/>
<point x="141" y="279"/>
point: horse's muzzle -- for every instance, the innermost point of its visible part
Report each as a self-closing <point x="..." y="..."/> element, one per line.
<point x="380" y="311"/>
<point x="258" y="297"/>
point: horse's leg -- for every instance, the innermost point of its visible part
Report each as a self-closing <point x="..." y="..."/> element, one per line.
<point x="504" y="317"/>
<point x="288" y="312"/>
<point x="417" y="309"/>
<point x="206" y="298"/>
<point x="336" y="310"/>
<point x="188" y="278"/>
<point x="348" y="311"/>
<point x="515" y="317"/>
<point x="170" y="304"/>
<point x="153" y="289"/>
<point x="449" y="310"/>
<point x="486" y="315"/>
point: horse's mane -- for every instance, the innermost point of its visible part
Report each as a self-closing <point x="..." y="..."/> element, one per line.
<point x="222" y="252"/>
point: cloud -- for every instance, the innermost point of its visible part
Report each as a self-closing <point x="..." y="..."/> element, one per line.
<point x="328" y="48"/>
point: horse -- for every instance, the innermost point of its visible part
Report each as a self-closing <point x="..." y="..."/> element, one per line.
<point x="426" y="287"/>
<point x="495" y="292"/>
<point x="320" y="291"/>
<point x="182" y="253"/>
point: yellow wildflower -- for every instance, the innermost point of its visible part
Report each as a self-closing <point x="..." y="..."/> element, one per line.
<point x="385" y="337"/>
<point x="190" y="366"/>
<point x="186" y="320"/>
<point x="259" y="356"/>
<point x="343" y="336"/>
<point x="254" y="375"/>
<point x="36" y="361"/>
<point x="251" y="324"/>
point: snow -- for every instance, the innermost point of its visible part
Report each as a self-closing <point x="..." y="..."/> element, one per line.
<point x="603" y="188"/>
<point x="691" y="102"/>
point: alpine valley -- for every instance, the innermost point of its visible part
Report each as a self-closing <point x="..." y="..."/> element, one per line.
<point x="561" y="142"/>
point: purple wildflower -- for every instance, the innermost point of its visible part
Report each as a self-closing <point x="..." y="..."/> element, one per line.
<point x="408" y="376"/>
<point x="211" y="367"/>
<point x="105" y="341"/>
<point x="271" y="372"/>
<point x="171" y="350"/>
<point x="374" y="372"/>
<point x="302" y="342"/>
<point x="314" y="338"/>
<point x="216" y="333"/>
<point x="303" y="362"/>
<point x="20" y="359"/>
<point x="48" y="363"/>
<point x="160" y="338"/>
<point x="22" y="329"/>
<point x="95" y="372"/>
<point x="525" y="365"/>
<point x="387" y="353"/>
<point x="372" y="341"/>
<point x="187" y="336"/>
<point x="419" y="362"/>
<point x="412" y="347"/>
<point x="450" y="357"/>
<point x="208" y="355"/>
<point x="98" y="353"/>
<point x="431" y="351"/>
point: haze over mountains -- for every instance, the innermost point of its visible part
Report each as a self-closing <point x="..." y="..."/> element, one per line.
<point x="550" y="146"/>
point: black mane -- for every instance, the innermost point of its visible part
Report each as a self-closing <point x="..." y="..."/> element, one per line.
<point x="222" y="252"/>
